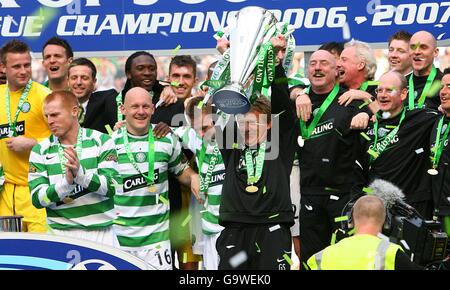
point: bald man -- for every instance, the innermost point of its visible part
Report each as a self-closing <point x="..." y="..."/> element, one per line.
<point x="365" y="250"/>
<point x="424" y="81"/>
<point x="142" y="201"/>
<point x="72" y="174"/>
<point x="328" y="150"/>
<point x="396" y="146"/>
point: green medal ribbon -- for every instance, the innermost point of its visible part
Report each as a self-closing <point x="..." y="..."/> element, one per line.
<point x="205" y="179"/>
<point x="270" y="71"/>
<point x="78" y="149"/>
<point x="306" y="131"/>
<point x="364" y="86"/>
<point x="380" y="147"/>
<point x="439" y="144"/>
<point x="119" y="103"/>
<point x="260" y="69"/>
<point x="151" y="155"/>
<point x="23" y="97"/>
<point x="254" y="174"/>
<point x="427" y="87"/>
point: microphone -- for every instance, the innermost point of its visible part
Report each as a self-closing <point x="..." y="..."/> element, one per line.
<point x="393" y="198"/>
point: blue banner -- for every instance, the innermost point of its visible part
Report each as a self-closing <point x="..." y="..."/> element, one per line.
<point x="161" y="25"/>
<point x="25" y="251"/>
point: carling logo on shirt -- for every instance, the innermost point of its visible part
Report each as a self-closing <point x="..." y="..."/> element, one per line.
<point x="138" y="181"/>
<point x="5" y="130"/>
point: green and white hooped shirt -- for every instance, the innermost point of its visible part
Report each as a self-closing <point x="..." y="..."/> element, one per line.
<point x="143" y="216"/>
<point x="87" y="203"/>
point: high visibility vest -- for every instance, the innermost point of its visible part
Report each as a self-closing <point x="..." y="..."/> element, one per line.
<point x="360" y="252"/>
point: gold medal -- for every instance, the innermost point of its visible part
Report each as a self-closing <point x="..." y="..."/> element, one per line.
<point x="251" y="189"/>
<point x="67" y="200"/>
<point x="432" y="171"/>
<point x="151" y="188"/>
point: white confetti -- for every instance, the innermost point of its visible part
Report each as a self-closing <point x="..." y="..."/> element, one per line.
<point x="346" y="31"/>
<point x="334" y="197"/>
<point x="439" y="25"/>
<point x="381" y="236"/>
<point x="12" y="20"/>
<point x="164" y="33"/>
<point x="274" y="228"/>
<point x="405" y="244"/>
<point x="420" y="150"/>
<point x="440" y="36"/>
<point x="325" y="160"/>
<point x="360" y="19"/>
<point x="386" y="115"/>
<point x="230" y="246"/>
<point x="238" y="259"/>
<point x="371" y="6"/>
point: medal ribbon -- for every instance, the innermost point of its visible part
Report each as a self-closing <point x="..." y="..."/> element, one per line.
<point x="150" y="155"/>
<point x="377" y="147"/>
<point x="306" y="131"/>
<point x="23" y="97"/>
<point x="205" y="179"/>
<point x="427" y="87"/>
<point x="119" y="103"/>
<point x="439" y="144"/>
<point x="254" y="175"/>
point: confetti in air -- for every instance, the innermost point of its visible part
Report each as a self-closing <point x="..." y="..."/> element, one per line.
<point x="238" y="259"/>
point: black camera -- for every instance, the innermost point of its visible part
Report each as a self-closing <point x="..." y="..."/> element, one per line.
<point x="424" y="241"/>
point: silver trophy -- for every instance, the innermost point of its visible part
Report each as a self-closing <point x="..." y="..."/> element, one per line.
<point x="246" y="37"/>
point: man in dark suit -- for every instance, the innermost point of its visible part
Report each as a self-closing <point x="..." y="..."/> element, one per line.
<point x="97" y="110"/>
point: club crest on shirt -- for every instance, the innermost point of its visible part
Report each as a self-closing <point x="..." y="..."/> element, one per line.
<point x="33" y="169"/>
<point x="26" y="107"/>
<point x="382" y="132"/>
<point x="111" y="157"/>
<point x="141" y="157"/>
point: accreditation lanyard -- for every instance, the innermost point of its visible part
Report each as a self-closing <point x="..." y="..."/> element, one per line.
<point x="377" y="148"/>
<point x="425" y="90"/>
<point x="78" y="149"/>
<point x="254" y="174"/>
<point x="23" y="97"/>
<point x="306" y="131"/>
<point x="439" y="144"/>
<point x="151" y="155"/>
<point x="205" y="179"/>
<point x="119" y="104"/>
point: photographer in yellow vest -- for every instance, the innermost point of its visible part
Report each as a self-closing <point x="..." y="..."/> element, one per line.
<point x="365" y="250"/>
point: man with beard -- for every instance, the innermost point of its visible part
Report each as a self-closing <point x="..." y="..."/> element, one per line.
<point x="356" y="70"/>
<point x="328" y="151"/>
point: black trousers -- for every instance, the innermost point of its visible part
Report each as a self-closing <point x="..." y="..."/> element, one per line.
<point x="254" y="247"/>
<point x="317" y="215"/>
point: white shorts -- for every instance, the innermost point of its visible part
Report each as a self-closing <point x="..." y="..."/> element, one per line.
<point x="157" y="256"/>
<point x="295" y="198"/>
<point x="210" y="256"/>
<point x="105" y="236"/>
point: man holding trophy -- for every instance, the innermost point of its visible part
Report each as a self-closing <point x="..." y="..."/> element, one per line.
<point x="256" y="209"/>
